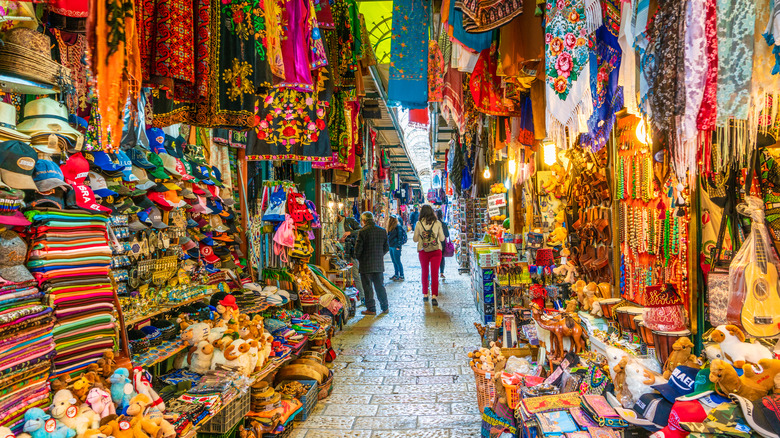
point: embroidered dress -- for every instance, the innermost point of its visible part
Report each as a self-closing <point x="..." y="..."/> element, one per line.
<point x="435" y="72"/>
<point x="324" y="14"/>
<point x="408" y="84"/>
<point x="484" y="15"/>
<point x="567" y="33"/>
<point x="71" y="48"/>
<point x="339" y="44"/>
<point x="295" y="48"/>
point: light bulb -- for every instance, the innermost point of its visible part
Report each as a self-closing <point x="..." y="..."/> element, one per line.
<point x="549" y="153"/>
<point x="512" y="166"/>
<point x="341" y="205"/>
<point x="486" y="173"/>
<point x="641" y="132"/>
<point x="331" y="204"/>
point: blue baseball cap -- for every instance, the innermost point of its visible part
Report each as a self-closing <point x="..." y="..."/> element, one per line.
<point x="216" y="175"/>
<point x="48" y="176"/>
<point x="104" y="162"/>
<point x="127" y="167"/>
<point x="681" y="383"/>
<point x="138" y="158"/>
<point x="156" y="140"/>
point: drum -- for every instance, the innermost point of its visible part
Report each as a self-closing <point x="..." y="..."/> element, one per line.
<point x="644" y="333"/>
<point x="626" y="315"/>
<point x="607" y="305"/>
<point x="664" y="340"/>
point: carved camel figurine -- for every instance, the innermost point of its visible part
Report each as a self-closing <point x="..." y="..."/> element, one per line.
<point x="560" y="327"/>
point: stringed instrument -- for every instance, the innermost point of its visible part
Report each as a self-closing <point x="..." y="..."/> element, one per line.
<point x="760" y="314"/>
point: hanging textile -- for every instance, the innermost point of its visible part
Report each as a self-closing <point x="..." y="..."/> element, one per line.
<point x="343" y="130"/>
<point x="68" y="8"/>
<point x="486" y="88"/>
<point x="340" y="43"/>
<point x="324" y="14"/>
<point x="71" y="48"/>
<point x="484" y="15"/>
<point x="736" y="22"/>
<point x="475" y="42"/>
<point x="568" y="29"/>
<point x="168" y="49"/>
<point x="604" y="72"/>
<point x="765" y="83"/>
<point x="705" y="121"/>
<point x="772" y="31"/>
<point x="627" y="76"/>
<point x="234" y="70"/>
<point x="521" y="45"/>
<point x="435" y="72"/>
<point x="452" y="105"/>
<point x="418" y="118"/>
<point x="302" y="47"/>
<point x="408" y="83"/>
<point x="116" y="63"/>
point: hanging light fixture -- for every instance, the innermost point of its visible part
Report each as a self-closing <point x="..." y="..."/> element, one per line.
<point x="641" y="132"/>
<point x="549" y="153"/>
<point x="331" y="204"/>
<point x="341" y="205"/>
<point x="512" y="166"/>
<point x="486" y="173"/>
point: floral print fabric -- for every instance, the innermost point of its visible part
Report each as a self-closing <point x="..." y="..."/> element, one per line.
<point x="736" y="25"/>
<point x="566" y="44"/>
<point x="435" y="72"/>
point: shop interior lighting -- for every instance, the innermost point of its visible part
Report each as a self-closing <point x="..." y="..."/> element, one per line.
<point x="486" y="173"/>
<point x="641" y="132"/>
<point x="549" y="153"/>
<point x="512" y="165"/>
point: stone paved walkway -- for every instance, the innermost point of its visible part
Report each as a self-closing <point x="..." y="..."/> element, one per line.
<point x="404" y="374"/>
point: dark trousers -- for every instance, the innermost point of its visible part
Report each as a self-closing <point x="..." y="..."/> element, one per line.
<point x="377" y="280"/>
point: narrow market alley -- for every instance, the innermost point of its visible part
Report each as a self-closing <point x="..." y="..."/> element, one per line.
<point x="404" y="374"/>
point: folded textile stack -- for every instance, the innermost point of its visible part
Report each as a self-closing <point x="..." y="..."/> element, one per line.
<point x="70" y="257"/>
<point x="25" y="336"/>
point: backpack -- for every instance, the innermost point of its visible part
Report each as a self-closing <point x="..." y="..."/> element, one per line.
<point x="402" y="231"/>
<point x="429" y="240"/>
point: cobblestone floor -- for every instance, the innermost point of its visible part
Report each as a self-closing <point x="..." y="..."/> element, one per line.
<point x="404" y="374"/>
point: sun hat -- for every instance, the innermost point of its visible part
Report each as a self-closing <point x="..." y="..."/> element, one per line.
<point x="8" y="124"/>
<point x="98" y="185"/>
<point x="681" y="383"/>
<point x="52" y="144"/>
<point x="48" y="176"/>
<point x="13" y="252"/>
<point x="46" y="116"/>
<point x="17" y="162"/>
<point x="138" y="158"/>
<point x="27" y="53"/>
<point x="158" y="173"/>
<point x="76" y="169"/>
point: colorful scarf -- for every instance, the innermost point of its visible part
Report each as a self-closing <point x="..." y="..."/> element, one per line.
<point x="435" y="72"/>
<point x="408" y="83"/>
<point x="736" y="27"/>
<point x="570" y="24"/>
<point x="709" y="103"/>
<point x="604" y="70"/>
<point x="626" y="78"/>
<point x="452" y="106"/>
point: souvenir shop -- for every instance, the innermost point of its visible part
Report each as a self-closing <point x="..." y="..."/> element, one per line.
<point x="614" y="170"/>
<point x="168" y="203"/>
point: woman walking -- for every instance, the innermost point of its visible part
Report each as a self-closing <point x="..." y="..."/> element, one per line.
<point x="446" y="229"/>
<point x="396" y="237"/>
<point x="429" y="234"/>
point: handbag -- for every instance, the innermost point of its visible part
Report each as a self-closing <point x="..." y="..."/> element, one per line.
<point x="448" y="249"/>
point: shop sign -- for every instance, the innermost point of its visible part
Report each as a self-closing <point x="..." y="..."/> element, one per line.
<point x="493" y="211"/>
<point x="497" y="200"/>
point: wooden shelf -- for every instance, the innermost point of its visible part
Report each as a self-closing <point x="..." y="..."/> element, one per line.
<point x="168" y="307"/>
<point x="13" y="84"/>
<point x="164" y="351"/>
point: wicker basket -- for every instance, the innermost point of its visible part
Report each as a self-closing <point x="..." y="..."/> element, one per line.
<point x="486" y="388"/>
<point x="326" y="387"/>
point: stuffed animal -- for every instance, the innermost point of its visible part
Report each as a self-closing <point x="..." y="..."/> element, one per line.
<point x="117" y="427"/>
<point x="121" y="389"/>
<point x="36" y="423"/>
<point x="201" y="358"/>
<point x="143" y="385"/>
<point x="571" y="306"/>
<point x="195" y="333"/>
<point x="639" y="380"/>
<point x="233" y="355"/>
<point x="107" y="366"/>
<point x="726" y="381"/>
<point x="557" y="237"/>
<point x="141" y="426"/>
<point x="712" y="352"/>
<point x="732" y="343"/>
<point x="6" y="432"/>
<point x="763" y="375"/>
<point x="82" y="385"/>
<point x="254" y="355"/>
<point x="100" y="401"/>
<point x="680" y="355"/>
<point x="65" y="409"/>
<point x="619" y="380"/>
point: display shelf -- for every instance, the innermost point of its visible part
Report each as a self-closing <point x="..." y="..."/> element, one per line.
<point x="159" y="353"/>
<point x="13" y="84"/>
<point x="168" y="307"/>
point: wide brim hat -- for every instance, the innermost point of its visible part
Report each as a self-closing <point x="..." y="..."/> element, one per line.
<point x="8" y="124"/>
<point x="46" y="116"/>
<point x="27" y="53"/>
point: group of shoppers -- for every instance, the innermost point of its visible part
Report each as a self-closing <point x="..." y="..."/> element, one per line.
<point x="366" y="245"/>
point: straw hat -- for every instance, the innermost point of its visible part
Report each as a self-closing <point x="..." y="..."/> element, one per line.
<point x="8" y="124"/>
<point x="46" y="116"/>
<point x="27" y="53"/>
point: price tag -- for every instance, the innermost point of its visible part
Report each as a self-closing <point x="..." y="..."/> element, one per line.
<point x="51" y="425"/>
<point x="494" y="211"/>
<point x="497" y="200"/>
<point x="71" y="412"/>
<point x="124" y="425"/>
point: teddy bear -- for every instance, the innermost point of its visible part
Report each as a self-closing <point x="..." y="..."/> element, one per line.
<point x="121" y="389"/>
<point x="590" y="291"/>
<point x="732" y="343"/>
<point x="141" y="426"/>
<point x="65" y="409"/>
<point x="201" y="358"/>
<point x="680" y="355"/>
<point x="619" y="381"/>
<point x="36" y="422"/>
<point x="749" y="385"/>
<point x="100" y="401"/>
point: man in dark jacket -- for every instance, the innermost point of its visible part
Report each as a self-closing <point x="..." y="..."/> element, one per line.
<point x="414" y="217"/>
<point x="370" y="250"/>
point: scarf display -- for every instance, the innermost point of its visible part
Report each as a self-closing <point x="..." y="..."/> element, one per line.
<point x="628" y="59"/>
<point x="452" y="105"/>
<point x="570" y="24"/>
<point x="408" y="83"/>
<point x="695" y="80"/>
<point x="435" y="72"/>
<point x="705" y="121"/>
<point x="484" y="15"/>
<point x="736" y="26"/>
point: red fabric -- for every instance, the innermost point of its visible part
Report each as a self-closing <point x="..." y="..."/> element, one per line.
<point x="430" y="260"/>
<point x="708" y="110"/>
<point x="486" y="88"/>
<point x="419" y="117"/>
<point x="70" y="8"/>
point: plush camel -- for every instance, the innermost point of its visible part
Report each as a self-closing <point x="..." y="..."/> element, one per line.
<point x="680" y="355"/>
<point x="748" y="385"/>
<point x="560" y="327"/>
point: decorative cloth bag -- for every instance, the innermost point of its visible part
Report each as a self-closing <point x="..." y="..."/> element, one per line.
<point x="284" y="238"/>
<point x="665" y="311"/>
<point x="276" y="206"/>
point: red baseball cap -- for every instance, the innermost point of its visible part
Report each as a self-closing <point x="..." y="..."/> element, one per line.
<point x="160" y="199"/>
<point x="76" y="169"/>
<point x="207" y="253"/>
<point x="85" y="198"/>
<point x="185" y="176"/>
<point x="682" y="412"/>
<point x="229" y="301"/>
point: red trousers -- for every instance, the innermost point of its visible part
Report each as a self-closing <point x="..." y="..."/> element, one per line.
<point x="430" y="264"/>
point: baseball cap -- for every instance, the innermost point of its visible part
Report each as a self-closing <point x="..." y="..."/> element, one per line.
<point x="13" y="252"/>
<point x="17" y="162"/>
<point x="159" y="199"/>
<point x="144" y="183"/>
<point x="155" y="216"/>
<point x="651" y="411"/>
<point x="214" y="205"/>
<point x="104" y="163"/>
<point x="84" y="198"/>
<point x="192" y="224"/>
<point x="682" y="412"/>
<point x="704" y="390"/>
<point x="17" y="219"/>
<point x="76" y="169"/>
<point x="187" y="243"/>
<point x="54" y="198"/>
<point x="98" y="185"/>
<point x="159" y="168"/>
<point x="127" y="167"/>
<point x="216" y="176"/>
<point x="202" y="173"/>
<point x="138" y="157"/>
<point x="169" y="164"/>
<point x="48" y="176"/>
<point x="174" y="146"/>
<point x="182" y="170"/>
<point x="680" y="383"/>
<point x="207" y="253"/>
<point x="763" y="415"/>
<point x="156" y="138"/>
<point x="187" y="193"/>
<point x="136" y="225"/>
